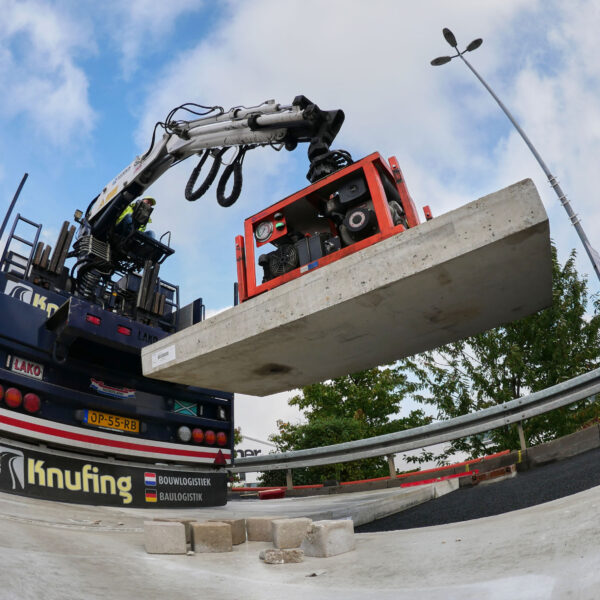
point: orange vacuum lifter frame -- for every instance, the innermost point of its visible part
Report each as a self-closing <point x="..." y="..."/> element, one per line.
<point x="309" y="200"/>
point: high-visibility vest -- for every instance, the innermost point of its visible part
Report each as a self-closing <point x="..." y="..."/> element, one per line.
<point x="129" y="211"/>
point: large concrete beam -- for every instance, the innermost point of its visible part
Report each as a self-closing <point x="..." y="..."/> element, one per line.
<point x="479" y="266"/>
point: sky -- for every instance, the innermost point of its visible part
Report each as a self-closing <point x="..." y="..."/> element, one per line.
<point x="82" y="84"/>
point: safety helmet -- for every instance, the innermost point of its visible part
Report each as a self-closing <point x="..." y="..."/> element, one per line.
<point x="152" y="201"/>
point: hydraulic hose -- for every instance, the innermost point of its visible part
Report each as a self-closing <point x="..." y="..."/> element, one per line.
<point x="235" y="169"/>
<point x="190" y="193"/>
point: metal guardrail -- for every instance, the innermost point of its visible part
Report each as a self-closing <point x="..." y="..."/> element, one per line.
<point x="515" y="411"/>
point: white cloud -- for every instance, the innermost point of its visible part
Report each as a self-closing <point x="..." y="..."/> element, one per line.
<point x="141" y="27"/>
<point x="39" y="78"/>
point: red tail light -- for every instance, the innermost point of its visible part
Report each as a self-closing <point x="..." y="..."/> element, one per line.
<point x="197" y="435"/>
<point x="13" y="397"/>
<point x="221" y="439"/>
<point x="32" y="403"/>
<point x="210" y="437"/>
<point x="93" y="319"/>
<point x="123" y="330"/>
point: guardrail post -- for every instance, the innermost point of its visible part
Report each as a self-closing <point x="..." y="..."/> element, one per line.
<point x="521" y="435"/>
<point x="392" y="466"/>
<point x="288" y="480"/>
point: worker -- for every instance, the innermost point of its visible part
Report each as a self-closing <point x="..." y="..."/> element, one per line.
<point x="138" y="211"/>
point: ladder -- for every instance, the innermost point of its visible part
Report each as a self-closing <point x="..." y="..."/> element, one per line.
<point x="10" y="257"/>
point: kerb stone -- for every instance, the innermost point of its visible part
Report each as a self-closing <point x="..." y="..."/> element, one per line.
<point x="260" y="529"/>
<point x="186" y="523"/>
<point x="211" y="537"/>
<point x="289" y="533"/>
<point x="238" y="529"/>
<point x="329" y="538"/>
<point x="162" y="537"/>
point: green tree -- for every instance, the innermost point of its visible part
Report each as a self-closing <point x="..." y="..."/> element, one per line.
<point x="525" y="356"/>
<point x="345" y="409"/>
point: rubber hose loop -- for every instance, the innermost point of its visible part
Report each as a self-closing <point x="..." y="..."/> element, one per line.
<point x="234" y="168"/>
<point x="191" y="195"/>
<point x="59" y="359"/>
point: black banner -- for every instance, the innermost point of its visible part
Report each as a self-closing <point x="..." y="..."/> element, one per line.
<point x="38" y="474"/>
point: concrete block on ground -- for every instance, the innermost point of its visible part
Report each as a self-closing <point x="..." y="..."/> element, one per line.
<point x="329" y="538"/>
<point x="454" y="276"/>
<point x="276" y="556"/>
<point x="238" y="529"/>
<point x="211" y="537"/>
<point x="260" y="529"/>
<point x="289" y="533"/>
<point x="441" y="488"/>
<point x="163" y="537"/>
<point x="186" y="523"/>
<point x="365" y="512"/>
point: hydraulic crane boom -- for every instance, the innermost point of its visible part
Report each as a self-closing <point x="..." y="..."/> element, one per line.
<point x="103" y="248"/>
<point x="266" y="124"/>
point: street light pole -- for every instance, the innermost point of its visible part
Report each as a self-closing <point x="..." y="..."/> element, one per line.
<point x="592" y="254"/>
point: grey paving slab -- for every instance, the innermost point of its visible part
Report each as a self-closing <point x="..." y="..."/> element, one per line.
<point x="468" y="270"/>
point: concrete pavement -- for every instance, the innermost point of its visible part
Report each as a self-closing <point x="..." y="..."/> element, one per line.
<point x="58" y="551"/>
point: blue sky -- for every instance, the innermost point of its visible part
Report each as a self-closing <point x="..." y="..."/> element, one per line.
<point x="82" y="84"/>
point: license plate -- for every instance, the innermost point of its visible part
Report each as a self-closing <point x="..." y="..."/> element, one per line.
<point x="100" y="419"/>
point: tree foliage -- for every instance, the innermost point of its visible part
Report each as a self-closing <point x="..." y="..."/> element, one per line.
<point x="345" y="409"/>
<point x="528" y="355"/>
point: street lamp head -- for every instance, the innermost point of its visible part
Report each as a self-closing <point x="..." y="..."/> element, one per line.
<point x="441" y="60"/>
<point x="449" y="37"/>
<point x="474" y="45"/>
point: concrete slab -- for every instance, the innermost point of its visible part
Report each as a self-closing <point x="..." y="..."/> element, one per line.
<point x="361" y="507"/>
<point x="474" y="268"/>
<point x="67" y="552"/>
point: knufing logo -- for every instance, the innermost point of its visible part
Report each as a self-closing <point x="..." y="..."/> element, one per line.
<point x="12" y="469"/>
<point x="19" y="291"/>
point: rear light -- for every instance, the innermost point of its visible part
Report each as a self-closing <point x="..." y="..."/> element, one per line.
<point x="123" y="330"/>
<point x="197" y="435"/>
<point x="221" y="439"/>
<point x="32" y="403"/>
<point x="93" y="319"/>
<point x="13" y="397"/>
<point x="209" y="437"/>
<point x="184" y="433"/>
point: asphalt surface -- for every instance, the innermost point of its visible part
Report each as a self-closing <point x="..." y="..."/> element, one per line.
<point x="528" y="488"/>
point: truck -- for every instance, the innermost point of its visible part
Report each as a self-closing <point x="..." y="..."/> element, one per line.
<point x="79" y="422"/>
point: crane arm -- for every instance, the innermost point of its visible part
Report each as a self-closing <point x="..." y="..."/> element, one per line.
<point x="266" y="124"/>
